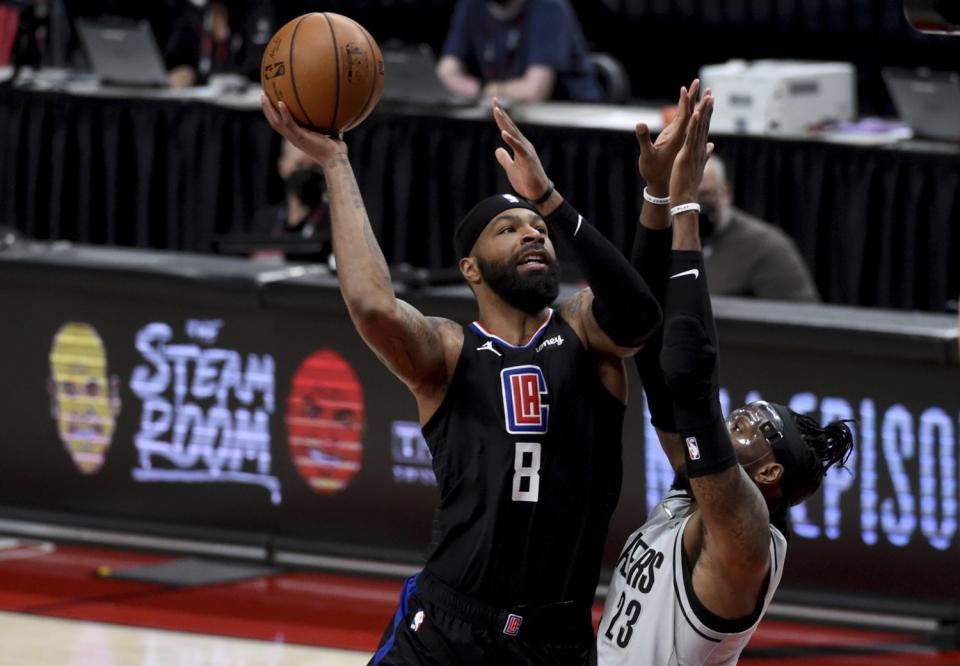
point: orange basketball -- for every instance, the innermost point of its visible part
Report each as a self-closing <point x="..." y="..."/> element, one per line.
<point x="326" y="68"/>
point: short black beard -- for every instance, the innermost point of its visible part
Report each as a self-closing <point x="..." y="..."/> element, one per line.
<point x="528" y="292"/>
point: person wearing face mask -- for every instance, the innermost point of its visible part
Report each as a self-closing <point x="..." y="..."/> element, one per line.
<point x="304" y="213"/>
<point x="746" y="256"/>
<point x="522" y="50"/>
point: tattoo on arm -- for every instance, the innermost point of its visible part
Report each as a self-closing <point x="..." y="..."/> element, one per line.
<point x="572" y="308"/>
<point x="735" y="514"/>
<point x="355" y="193"/>
<point x="415" y="348"/>
<point x="383" y="272"/>
<point x="439" y="324"/>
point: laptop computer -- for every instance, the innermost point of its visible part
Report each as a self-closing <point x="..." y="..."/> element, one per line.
<point x="123" y="54"/>
<point x="410" y="76"/>
<point x="927" y="102"/>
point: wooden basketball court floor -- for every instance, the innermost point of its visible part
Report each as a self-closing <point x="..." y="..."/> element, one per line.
<point x="56" y="608"/>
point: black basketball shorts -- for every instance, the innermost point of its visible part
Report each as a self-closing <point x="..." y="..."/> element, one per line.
<point x="436" y="626"/>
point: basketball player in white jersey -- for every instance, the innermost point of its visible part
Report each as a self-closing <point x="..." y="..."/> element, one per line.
<point x="691" y="585"/>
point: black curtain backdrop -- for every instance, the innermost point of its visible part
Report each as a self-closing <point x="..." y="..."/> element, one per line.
<point x="878" y="226"/>
<point x="663" y="43"/>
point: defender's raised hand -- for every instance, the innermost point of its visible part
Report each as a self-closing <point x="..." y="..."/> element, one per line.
<point x="523" y="169"/>
<point x="692" y="158"/>
<point x="656" y="158"/>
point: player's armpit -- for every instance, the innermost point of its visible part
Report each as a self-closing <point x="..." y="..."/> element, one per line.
<point x="735" y="541"/>
<point x="731" y="605"/>
<point x="422" y="351"/>
<point x="578" y="312"/>
<point x="727" y="545"/>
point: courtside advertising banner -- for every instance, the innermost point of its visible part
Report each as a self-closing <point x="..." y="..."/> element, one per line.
<point x="215" y="407"/>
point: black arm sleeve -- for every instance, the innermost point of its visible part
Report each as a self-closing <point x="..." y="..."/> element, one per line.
<point x="622" y="303"/>
<point x="651" y="258"/>
<point x="690" y="362"/>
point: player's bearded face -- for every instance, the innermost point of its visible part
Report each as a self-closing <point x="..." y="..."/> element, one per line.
<point x="528" y="290"/>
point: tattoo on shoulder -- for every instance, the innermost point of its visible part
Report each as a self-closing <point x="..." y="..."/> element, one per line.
<point x="574" y="304"/>
<point x="443" y="326"/>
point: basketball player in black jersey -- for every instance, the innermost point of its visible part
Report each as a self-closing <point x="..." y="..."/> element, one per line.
<point x="719" y="538"/>
<point x="522" y="411"/>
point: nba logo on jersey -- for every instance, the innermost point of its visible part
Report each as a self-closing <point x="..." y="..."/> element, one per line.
<point x="693" y="448"/>
<point x="524" y="395"/>
<point x="512" y="627"/>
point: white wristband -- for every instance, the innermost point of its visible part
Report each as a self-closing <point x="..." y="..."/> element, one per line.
<point x="684" y="208"/>
<point x="659" y="201"/>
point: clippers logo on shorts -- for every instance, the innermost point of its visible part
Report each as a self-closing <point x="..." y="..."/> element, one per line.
<point x="512" y="627"/>
<point x="524" y="400"/>
<point x="692" y="448"/>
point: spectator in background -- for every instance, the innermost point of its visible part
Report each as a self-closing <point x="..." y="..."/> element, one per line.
<point x="9" y="27"/>
<point x="218" y="37"/>
<point x="523" y="50"/>
<point x="304" y="213"/>
<point x="746" y="256"/>
<point x="35" y="33"/>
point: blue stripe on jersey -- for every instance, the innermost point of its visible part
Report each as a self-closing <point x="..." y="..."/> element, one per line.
<point x="409" y="588"/>
<point x="476" y="326"/>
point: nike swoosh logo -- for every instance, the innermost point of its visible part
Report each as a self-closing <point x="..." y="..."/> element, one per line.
<point x="695" y="272"/>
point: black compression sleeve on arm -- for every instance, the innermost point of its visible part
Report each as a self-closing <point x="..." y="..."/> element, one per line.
<point x="690" y="363"/>
<point x="622" y="303"/>
<point x="651" y="258"/>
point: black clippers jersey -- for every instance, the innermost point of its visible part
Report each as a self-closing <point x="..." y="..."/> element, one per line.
<point x="527" y="452"/>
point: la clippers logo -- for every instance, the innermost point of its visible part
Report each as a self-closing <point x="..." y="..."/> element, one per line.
<point x="512" y="627"/>
<point x="524" y="398"/>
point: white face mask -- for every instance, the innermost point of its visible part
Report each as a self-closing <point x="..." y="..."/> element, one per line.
<point x="758" y="417"/>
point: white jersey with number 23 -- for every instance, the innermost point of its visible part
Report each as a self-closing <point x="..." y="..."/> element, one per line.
<point x="652" y="616"/>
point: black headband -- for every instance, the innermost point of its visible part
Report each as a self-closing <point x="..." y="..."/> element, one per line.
<point x="790" y="451"/>
<point x="474" y="222"/>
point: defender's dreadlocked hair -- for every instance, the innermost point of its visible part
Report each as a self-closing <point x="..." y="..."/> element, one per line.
<point x="828" y="445"/>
